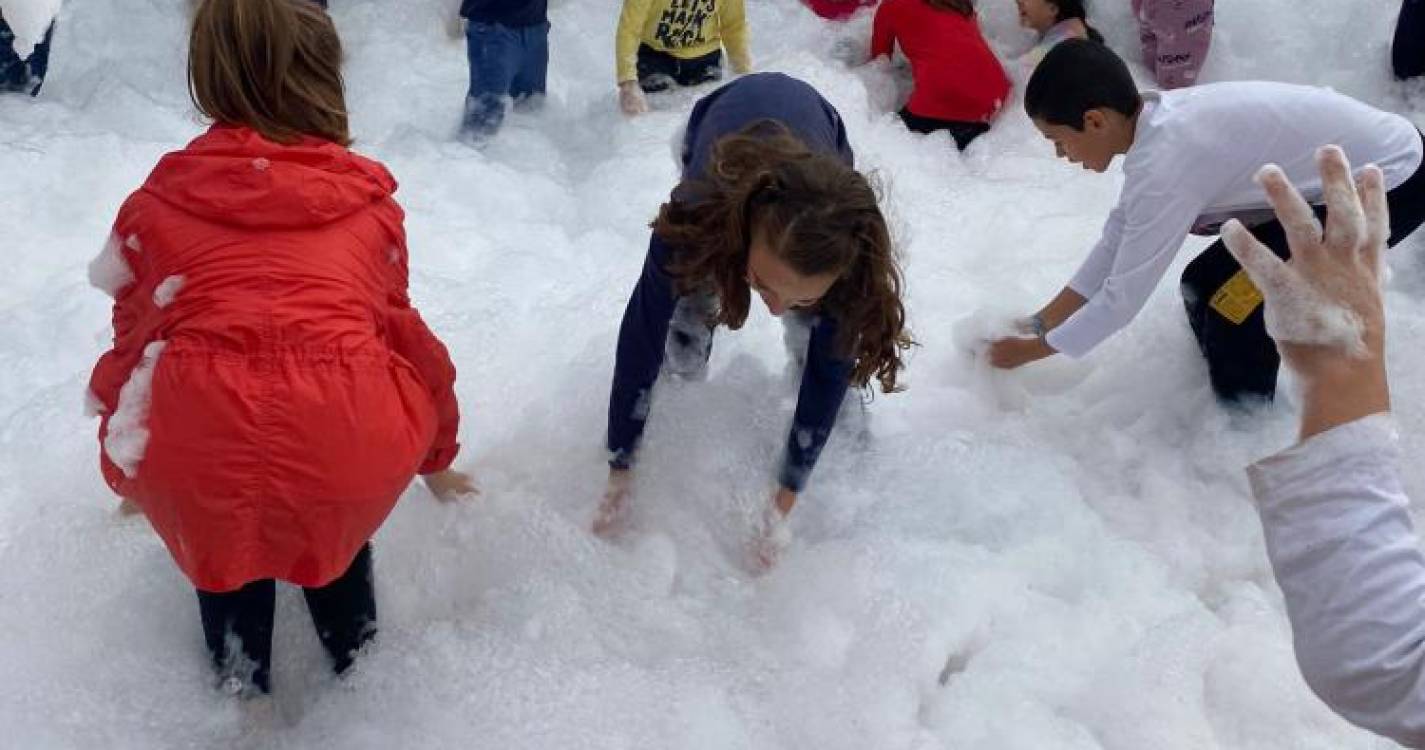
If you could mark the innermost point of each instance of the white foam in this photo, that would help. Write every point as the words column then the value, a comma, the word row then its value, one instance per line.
column 167, row 290
column 128, row 428
column 109, row 272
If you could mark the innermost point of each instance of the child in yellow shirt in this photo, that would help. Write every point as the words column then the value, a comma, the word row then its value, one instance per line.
column 662, row 43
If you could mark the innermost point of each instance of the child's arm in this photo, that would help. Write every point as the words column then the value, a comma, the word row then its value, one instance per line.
column 1064, row 305
column 1153, row 229
column 825, row 379
column 119, row 271
column 732, row 22
column 883, row 38
column 1140, row 239
column 412, row 339
column 641, row 340
column 114, row 272
column 628, row 37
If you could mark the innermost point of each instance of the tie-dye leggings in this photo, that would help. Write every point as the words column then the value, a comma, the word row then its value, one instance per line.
column 1176, row 36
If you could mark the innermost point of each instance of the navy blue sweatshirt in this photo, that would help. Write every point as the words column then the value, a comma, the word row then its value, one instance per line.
column 512, row 13
column 645, row 321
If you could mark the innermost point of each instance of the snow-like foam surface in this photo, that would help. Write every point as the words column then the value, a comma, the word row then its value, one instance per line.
column 1064, row 557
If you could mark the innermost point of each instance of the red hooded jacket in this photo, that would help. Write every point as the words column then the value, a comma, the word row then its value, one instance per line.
column 270, row 392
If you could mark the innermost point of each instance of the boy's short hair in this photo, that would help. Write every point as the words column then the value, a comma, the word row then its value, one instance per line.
column 1076, row 76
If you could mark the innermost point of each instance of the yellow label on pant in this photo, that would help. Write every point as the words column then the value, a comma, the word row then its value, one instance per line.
column 1237, row 299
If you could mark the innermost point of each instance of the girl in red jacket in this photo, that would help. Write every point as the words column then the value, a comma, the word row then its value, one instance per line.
column 959, row 83
column 271, row 391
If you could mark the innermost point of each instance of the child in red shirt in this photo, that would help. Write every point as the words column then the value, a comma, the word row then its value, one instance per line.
column 959, row 83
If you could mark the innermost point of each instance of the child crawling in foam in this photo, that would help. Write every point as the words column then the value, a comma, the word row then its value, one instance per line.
column 1190, row 157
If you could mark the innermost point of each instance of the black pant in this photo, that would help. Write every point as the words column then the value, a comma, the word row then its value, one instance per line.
column 1228, row 318
column 962, row 132
column 1408, row 52
column 658, row 71
column 238, row 624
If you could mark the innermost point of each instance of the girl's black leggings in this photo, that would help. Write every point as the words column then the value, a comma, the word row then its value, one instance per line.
column 238, row 624
column 1408, row 52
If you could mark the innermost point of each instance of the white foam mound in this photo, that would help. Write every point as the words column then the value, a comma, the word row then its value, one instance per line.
column 128, row 428
column 167, row 290
column 109, row 272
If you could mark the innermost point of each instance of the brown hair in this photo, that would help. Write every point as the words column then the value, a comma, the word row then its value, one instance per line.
column 820, row 217
column 272, row 65
column 963, row 7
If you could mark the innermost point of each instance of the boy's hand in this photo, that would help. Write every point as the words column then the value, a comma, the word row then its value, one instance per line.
column 630, row 98
column 1323, row 307
column 1013, row 352
column 612, row 514
column 450, row 485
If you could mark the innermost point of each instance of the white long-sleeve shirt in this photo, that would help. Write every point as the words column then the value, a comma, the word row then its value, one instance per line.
column 1194, row 155
column 1350, row 566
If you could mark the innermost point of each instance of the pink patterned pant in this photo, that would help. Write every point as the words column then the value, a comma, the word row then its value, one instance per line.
column 1176, row 36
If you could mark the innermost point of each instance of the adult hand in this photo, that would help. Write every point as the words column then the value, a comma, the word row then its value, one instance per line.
column 450, row 485
column 1323, row 307
column 631, row 99
column 1013, row 352
column 612, row 515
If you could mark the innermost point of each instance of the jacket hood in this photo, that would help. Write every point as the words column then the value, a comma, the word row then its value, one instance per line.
column 232, row 175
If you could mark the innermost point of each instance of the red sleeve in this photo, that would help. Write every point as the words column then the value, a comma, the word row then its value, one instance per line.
column 132, row 324
column 409, row 336
column 120, row 272
column 883, row 37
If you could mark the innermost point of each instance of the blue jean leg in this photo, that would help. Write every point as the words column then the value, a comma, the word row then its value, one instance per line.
column 13, row 73
column 24, row 76
column 494, row 53
column 533, row 73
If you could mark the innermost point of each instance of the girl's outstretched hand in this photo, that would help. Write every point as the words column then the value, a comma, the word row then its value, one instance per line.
column 613, row 509
column 774, row 535
column 450, row 485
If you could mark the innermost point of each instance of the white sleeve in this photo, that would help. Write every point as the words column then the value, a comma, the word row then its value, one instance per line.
column 1151, row 230
column 1349, row 564
column 1091, row 275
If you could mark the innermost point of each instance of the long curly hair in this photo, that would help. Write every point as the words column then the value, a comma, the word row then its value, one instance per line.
column 818, row 215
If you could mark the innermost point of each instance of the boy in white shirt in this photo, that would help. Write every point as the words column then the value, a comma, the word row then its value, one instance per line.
column 1190, row 157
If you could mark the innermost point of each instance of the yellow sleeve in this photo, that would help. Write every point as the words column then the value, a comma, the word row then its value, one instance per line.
column 630, row 34
column 732, row 25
